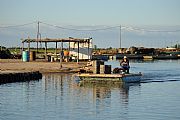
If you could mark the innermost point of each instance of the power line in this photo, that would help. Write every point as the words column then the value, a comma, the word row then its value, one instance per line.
column 11, row 26
column 73, row 29
column 122, row 27
column 129, row 28
column 148, row 30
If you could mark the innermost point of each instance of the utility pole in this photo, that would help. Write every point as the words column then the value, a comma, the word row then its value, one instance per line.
column 120, row 36
column 37, row 36
column 177, row 44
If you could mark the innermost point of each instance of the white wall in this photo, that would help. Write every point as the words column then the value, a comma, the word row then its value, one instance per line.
column 83, row 50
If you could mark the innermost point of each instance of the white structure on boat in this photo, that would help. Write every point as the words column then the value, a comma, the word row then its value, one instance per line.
column 83, row 49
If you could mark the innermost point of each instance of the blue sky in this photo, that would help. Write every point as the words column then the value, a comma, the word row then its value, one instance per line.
column 89, row 12
column 139, row 13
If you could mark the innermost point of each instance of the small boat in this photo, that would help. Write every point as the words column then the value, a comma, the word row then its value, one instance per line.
column 128, row 78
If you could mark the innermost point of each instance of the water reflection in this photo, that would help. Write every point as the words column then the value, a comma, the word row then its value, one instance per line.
column 100, row 98
column 101, row 93
column 54, row 86
column 103, row 90
column 58, row 96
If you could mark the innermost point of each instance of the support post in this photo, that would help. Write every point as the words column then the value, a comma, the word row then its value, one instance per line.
column 88, row 49
column 28, row 45
column 56, row 49
column 22, row 49
column 61, row 54
column 45, row 50
column 78, row 54
column 69, row 46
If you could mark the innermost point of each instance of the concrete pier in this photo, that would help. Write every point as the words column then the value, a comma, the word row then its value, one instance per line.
column 18, row 76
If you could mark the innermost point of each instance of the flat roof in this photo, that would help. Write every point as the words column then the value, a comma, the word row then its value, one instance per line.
column 84, row 40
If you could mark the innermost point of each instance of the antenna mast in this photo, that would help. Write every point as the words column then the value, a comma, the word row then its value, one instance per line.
column 120, row 36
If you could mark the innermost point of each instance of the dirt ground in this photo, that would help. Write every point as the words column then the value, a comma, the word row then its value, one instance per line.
column 39, row 65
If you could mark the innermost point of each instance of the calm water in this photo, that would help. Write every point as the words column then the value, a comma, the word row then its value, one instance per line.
column 59, row 97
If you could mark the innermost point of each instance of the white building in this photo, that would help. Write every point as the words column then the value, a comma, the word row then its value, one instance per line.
column 85, row 49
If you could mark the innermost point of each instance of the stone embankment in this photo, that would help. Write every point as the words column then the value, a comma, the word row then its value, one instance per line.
column 18, row 76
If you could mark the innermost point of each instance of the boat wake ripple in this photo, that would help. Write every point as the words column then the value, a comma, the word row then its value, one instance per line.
column 160, row 78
